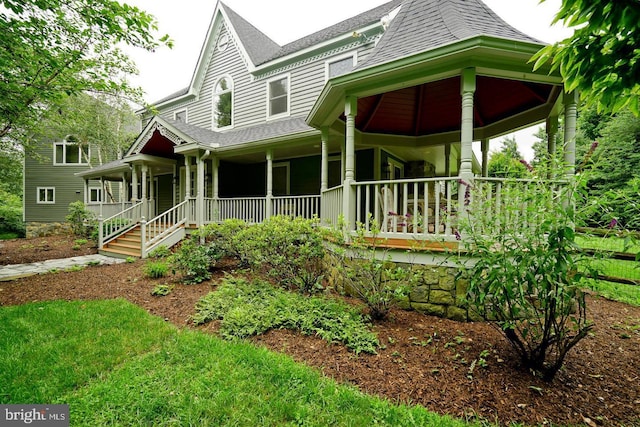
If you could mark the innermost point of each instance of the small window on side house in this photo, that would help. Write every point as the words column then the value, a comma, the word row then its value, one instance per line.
column 95, row 195
column 223, row 103
column 278, row 97
column 340, row 66
column 180, row 116
column 70, row 152
column 46, row 195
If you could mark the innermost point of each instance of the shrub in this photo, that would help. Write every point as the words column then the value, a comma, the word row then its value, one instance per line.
column 156, row 269
column 251, row 308
column 368, row 274
column 526, row 278
column 194, row 260
column 11, row 214
column 161, row 290
column 224, row 234
column 160, row 252
column 82, row 221
column 289, row 249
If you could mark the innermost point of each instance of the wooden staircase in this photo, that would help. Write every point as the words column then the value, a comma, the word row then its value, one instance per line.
column 128, row 244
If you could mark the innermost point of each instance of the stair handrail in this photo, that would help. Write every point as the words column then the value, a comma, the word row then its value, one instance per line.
column 163, row 225
column 115, row 225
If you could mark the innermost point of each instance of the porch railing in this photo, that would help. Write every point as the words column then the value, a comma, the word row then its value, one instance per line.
column 249, row 209
column 163, row 225
column 331, row 206
column 297, row 206
column 117, row 224
column 107, row 209
column 425, row 207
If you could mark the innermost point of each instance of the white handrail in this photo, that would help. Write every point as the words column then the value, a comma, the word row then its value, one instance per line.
column 163, row 225
column 115, row 225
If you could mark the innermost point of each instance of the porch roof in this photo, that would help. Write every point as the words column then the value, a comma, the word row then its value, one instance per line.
column 110, row 171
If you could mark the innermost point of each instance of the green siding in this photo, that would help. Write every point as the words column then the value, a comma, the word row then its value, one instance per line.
column 42, row 173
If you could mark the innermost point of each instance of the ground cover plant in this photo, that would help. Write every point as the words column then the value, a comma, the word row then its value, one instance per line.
column 422, row 359
column 119, row 366
column 251, row 308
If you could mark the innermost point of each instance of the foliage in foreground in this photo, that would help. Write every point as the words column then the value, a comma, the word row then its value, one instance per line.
column 121, row 366
column 194, row 260
column 251, row 308
column 525, row 275
column 82, row 221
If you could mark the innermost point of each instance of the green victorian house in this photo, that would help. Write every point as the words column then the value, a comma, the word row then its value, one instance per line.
column 371, row 119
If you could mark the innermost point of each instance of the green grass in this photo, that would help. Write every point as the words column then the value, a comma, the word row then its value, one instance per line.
column 7, row 235
column 616, row 244
column 616, row 291
column 116, row 365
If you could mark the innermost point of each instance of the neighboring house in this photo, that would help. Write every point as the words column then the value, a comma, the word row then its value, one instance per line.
column 374, row 115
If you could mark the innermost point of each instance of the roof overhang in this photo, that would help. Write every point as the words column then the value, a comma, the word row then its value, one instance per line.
column 156, row 126
column 490, row 56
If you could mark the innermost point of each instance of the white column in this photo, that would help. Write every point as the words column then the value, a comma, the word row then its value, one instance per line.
column 570, row 119
column 485, row 157
column 174, row 185
column 349, row 209
column 215, row 164
column 102, row 195
column 324, row 167
column 552, row 132
column 467, row 90
column 123, row 190
column 134, row 184
column 200, row 190
column 447, row 160
column 143, row 181
column 187, row 176
column 269, row 201
column 152, row 195
column 86, row 191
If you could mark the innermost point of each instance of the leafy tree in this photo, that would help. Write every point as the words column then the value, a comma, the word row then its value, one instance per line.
column 601, row 59
column 50, row 49
column 506, row 162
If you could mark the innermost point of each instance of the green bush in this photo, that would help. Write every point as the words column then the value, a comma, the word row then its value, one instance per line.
column 83, row 222
column 251, row 308
column 161, row 290
column 224, row 234
column 526, row 273
column 160, row 252
column 290, row 250
column 156, row 269
column 194, row 260
column 11, row 214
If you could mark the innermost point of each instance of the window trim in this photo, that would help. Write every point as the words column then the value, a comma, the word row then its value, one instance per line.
column 99, row 193
column 46, row 202
column 328, row 62
column 186, row 114
column 65, row 143
column 214, row 104
column 268, row 85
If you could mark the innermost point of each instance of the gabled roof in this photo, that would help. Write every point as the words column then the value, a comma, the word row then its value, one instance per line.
column 423, row 25
column 259, row 46
column 347, row 26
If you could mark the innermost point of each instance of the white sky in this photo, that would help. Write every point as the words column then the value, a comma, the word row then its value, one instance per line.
column 168, row 70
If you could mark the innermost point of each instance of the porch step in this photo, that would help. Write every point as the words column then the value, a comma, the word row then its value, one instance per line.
column 129, row 244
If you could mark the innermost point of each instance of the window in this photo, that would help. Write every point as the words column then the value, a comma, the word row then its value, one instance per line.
column 70, row 152
column 95, row 195
column 281, row 182
column 180, row 116
column 46, row 195
column 223, row 42
column 340, row 66
column 223, row 103
column 278, row 97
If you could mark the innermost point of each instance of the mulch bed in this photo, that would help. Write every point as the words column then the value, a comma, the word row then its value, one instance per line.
column 426, row 360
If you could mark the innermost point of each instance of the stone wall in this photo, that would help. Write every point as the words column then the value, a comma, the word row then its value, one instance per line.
column 435, row 290
column 41, row 229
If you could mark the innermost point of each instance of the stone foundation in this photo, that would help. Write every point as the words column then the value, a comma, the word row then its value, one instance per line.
column 42, row 229
column 436, row 291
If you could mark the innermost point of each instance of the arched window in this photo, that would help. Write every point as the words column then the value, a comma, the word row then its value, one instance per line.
column 223, row 103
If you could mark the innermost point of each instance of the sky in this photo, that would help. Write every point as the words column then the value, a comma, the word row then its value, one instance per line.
column 168, row 70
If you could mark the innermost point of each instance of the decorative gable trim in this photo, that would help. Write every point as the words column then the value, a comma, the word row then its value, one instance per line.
column 172, row 134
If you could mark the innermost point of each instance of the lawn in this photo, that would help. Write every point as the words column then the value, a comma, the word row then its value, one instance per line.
column 114, row 364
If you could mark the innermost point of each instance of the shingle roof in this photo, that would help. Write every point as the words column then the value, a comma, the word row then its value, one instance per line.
column 344, row 27
column 264, row 131
column 176, row 94
column 423, row 25
column 259, row 47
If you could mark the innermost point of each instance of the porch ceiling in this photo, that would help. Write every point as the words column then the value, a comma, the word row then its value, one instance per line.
column 435, row 107
column 159, row 146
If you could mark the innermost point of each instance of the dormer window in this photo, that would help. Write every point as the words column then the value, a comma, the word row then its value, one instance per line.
column 278, row 97
column 180, row 116
column 339, row 66
column 70, row 152
column 223, row 103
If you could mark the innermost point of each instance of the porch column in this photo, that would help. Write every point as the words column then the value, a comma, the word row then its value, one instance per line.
column 200, row 190
column 348, row 207
column 324, row 167
column 145, row 205
column 215, row 164
column 570, row 118
column 102, row 194
column 187, row 175
column 552, row 132
column 134, row 184
column 123, row 191
column 152, row 195
column 269, row 199
column 468, row 88
column 174, row 184
column 485, row 157
column 86, row 191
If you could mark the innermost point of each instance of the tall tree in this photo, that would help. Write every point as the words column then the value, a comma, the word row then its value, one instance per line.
column 601, row 59
column 506, row 163
column 50, row 49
